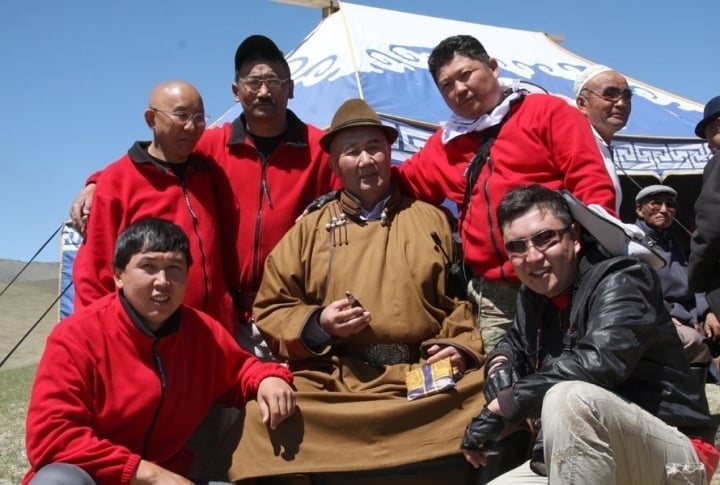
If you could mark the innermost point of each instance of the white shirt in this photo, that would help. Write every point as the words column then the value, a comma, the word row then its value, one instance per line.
column 606, row 151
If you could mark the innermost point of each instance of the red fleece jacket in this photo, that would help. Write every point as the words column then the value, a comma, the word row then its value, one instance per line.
column 107, row 392
column 544, row 141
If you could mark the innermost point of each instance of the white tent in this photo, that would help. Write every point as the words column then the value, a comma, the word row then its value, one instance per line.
column 381, row 55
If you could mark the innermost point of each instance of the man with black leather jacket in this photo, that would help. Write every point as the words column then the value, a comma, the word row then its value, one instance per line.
column 594, row 354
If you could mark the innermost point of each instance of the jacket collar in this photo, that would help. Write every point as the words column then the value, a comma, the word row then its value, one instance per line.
column 353, row 209
column 139, row 155
column 169, row 327
column 652, row 234
column 295, row 134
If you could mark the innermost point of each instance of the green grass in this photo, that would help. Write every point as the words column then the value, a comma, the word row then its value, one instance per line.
column 14, row 393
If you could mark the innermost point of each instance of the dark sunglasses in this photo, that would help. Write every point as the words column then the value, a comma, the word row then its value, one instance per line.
column 613, row 93
column 540, row 241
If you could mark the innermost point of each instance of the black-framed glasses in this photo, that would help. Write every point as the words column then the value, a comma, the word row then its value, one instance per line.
column 253, row 84
column 656, row 205
column 613, row 94
column 541, row 241
column 183, row 116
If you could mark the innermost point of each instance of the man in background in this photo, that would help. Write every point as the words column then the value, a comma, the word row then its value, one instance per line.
column 656, row 208
column 604, row 97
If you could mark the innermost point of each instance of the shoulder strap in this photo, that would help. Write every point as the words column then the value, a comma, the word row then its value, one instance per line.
column 476, row 164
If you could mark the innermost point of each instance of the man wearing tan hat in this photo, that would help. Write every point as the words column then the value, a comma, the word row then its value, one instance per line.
column 604, row 97
column 354, row 297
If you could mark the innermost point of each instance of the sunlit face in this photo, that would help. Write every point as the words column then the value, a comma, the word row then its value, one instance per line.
column 175, row 136
column 712, row 135
column 360, row 157
column 154, row 284
column 608, row 116
column 264, row 102
column 553, row 269
column 470, row 87
column 658, row 211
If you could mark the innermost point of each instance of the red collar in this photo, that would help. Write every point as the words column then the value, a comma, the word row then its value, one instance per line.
column 562, row 301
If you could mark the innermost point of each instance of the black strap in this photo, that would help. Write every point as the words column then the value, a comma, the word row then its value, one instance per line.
column 476, row 164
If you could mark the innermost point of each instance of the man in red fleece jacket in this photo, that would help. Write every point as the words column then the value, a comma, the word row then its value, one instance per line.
column 274, row 165
column 541, row 139
column 124, row 382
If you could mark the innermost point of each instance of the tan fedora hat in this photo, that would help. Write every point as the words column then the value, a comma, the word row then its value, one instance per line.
column 352, row 113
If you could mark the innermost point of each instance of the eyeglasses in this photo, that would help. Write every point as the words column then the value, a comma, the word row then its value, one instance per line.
column 541, row 241
column 656, row 205
column 613, row 94
column 183, row 116
column 253, row 84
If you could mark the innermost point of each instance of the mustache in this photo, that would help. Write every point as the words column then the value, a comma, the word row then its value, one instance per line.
column 264, row 101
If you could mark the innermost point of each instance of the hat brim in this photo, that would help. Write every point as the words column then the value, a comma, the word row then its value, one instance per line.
column 610, row 233
column 326, row 140
column 700, row 128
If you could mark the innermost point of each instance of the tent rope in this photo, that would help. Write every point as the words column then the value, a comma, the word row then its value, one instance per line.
column 32, row 259
column 34, row 325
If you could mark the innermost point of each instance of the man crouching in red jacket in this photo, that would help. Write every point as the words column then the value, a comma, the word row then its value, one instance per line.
column 123, row 383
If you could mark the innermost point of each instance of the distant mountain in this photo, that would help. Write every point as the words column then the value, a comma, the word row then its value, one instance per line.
column 34, row 272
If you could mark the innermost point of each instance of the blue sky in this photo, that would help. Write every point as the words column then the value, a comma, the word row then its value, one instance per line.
column 75, row 74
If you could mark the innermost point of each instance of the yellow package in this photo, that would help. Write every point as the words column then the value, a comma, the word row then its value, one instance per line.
column 430, row 379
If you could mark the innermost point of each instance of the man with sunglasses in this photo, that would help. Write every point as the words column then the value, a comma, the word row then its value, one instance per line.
column 656, row 207
column 604, row 97
column 160, row 178
column 592, row 351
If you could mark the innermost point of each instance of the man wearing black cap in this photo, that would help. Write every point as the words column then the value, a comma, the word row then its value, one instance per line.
column 656, row 207
column 275, row 167
column 350, row 353
column 704, row 261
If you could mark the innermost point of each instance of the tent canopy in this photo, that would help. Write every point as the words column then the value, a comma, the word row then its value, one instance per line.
column 381, row 56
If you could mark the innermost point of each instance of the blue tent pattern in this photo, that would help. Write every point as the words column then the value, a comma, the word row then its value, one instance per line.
column 381, row 56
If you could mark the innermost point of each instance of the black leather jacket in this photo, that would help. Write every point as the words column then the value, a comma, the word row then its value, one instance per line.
column 616, row 334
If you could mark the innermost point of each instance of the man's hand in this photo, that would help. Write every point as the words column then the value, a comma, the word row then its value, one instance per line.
column 500, row 376
column 80, row 208
column 439, row 352
column 341, row 319
column 276, row 400
column 484, row 427
column 712, row 327
column 151, row 474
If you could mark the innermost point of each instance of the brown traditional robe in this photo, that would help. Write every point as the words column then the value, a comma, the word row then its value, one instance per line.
column 353, row 415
